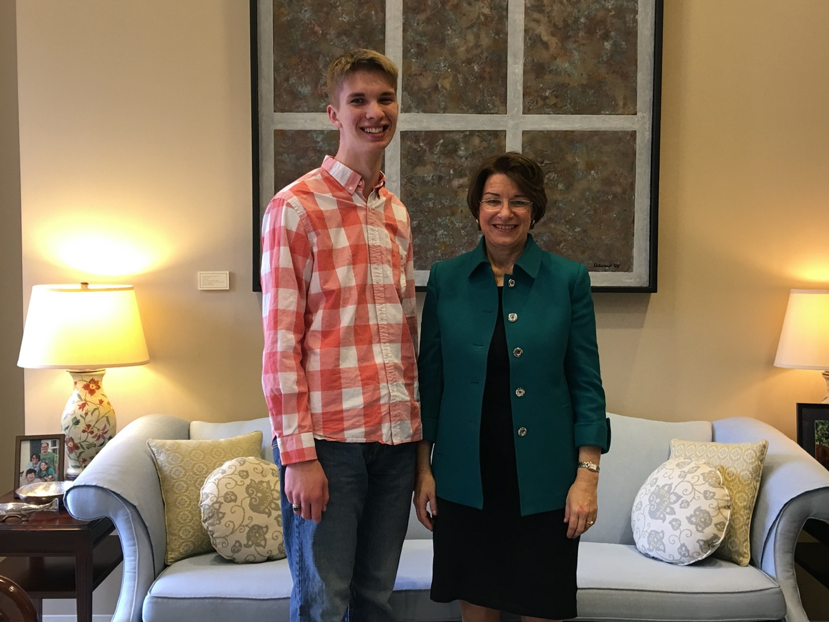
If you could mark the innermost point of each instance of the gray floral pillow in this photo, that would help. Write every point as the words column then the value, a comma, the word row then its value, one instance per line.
column 681, row 512
column 240, row 510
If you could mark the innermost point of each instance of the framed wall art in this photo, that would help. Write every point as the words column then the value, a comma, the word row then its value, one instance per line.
column 38, row 459
column 813, row 431
column 574, row 85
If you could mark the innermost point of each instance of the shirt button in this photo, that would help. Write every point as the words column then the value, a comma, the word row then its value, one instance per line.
column 512, row 317
column 517, row 353
column 519, row 392
column 511, row 282
column 522, row 431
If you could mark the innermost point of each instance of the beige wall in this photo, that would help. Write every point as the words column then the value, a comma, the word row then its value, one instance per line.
column 135, row 165
column 11, row 312
column 135, row 157
column 744, row 199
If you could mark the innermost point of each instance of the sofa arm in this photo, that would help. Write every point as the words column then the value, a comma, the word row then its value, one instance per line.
column 795, row 488
column 121, row 484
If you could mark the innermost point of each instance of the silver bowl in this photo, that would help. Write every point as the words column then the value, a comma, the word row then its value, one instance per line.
column 43, row 492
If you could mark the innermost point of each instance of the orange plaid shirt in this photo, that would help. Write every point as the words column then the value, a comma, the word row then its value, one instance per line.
column 339, row 314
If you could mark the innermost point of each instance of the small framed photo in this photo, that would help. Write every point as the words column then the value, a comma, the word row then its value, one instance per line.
column 38, row 459
column 813, row 431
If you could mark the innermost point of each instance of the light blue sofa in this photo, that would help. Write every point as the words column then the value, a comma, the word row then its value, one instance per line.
column 616, row 582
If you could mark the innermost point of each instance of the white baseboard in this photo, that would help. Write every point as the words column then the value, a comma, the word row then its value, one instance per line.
column 73, row 618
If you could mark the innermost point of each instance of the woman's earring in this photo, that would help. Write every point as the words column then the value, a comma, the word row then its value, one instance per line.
column 532, row 223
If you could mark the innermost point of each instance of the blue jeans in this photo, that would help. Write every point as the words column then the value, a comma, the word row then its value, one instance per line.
column 347, row 563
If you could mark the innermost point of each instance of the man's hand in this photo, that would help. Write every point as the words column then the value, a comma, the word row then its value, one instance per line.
column 307, row 487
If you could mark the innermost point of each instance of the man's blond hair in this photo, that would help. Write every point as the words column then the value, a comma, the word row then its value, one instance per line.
column 357, row 60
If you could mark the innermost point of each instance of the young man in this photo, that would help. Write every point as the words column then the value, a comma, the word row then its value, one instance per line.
column 339, row 365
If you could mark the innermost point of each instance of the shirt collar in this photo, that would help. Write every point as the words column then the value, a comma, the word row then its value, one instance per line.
column 347, row 178
column 529, row 261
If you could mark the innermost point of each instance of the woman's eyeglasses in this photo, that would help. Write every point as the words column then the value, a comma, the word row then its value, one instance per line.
column 516, row 205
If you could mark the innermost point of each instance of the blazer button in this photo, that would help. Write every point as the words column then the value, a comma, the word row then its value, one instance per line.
column 522, row 431
column 512, row 317
column 511, row 283
column 517, row 353
column 519, row 392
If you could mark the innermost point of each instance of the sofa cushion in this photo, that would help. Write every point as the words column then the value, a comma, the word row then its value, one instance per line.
column 741, row 465
column 240, row 510
column 182, row 467
column 639, row 446
column 209, row 588
column 410, row 599
column 681, row 512
column 616, row 582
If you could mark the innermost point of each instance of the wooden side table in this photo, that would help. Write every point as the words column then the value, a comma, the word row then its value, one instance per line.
column 53, row 555
column 813, row 557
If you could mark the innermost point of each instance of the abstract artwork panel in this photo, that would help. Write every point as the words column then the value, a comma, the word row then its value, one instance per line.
column 455, row 56
column 574, row 84
column 580, row 56
column 308, row 35
column 591, row 183
column 298, row 151
column 438, row 165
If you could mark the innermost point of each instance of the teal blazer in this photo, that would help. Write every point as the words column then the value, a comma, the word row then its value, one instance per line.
column 558, row 402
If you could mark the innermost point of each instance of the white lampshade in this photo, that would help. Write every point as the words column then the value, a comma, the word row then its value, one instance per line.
column 83, row 327
column 804, row 340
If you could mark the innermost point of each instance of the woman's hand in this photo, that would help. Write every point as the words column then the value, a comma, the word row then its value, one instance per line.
column 581, row 507
column 424, row 493
column 424, row 497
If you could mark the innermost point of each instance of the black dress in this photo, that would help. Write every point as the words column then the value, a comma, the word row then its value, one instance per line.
column 494, row 557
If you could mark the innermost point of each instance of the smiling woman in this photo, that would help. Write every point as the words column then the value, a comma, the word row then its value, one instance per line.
column 524, row 352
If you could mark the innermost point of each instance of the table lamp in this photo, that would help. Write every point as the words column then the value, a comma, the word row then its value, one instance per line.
column 804, row 340
column 84, row 329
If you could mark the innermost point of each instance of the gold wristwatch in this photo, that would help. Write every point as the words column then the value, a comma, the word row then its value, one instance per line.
column 590, row 466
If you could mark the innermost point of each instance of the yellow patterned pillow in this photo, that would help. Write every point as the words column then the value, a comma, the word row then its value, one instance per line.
column 182, row 468
column 741, row 466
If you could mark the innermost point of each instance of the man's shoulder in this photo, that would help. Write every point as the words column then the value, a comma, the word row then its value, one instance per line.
column 311, row 183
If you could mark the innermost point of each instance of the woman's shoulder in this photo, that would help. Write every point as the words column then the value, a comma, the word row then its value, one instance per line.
column 455, row 265
column 551, row 261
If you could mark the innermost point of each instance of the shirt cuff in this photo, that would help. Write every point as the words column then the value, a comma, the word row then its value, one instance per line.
column 297, row 448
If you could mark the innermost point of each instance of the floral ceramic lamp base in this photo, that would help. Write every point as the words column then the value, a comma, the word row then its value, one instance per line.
column 88, row 420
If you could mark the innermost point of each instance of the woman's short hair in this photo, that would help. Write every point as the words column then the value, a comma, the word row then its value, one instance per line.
column 357, row 60
column 526, row 174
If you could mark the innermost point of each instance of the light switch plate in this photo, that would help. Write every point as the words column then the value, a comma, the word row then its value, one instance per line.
column 214, row 280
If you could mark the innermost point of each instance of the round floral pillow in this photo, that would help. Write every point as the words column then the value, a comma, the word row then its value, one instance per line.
column 681, row 512
column 240, row 510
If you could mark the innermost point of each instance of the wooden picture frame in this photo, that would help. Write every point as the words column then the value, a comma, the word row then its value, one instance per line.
column 26, row 448
column 589, row 114
column 813, row 431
